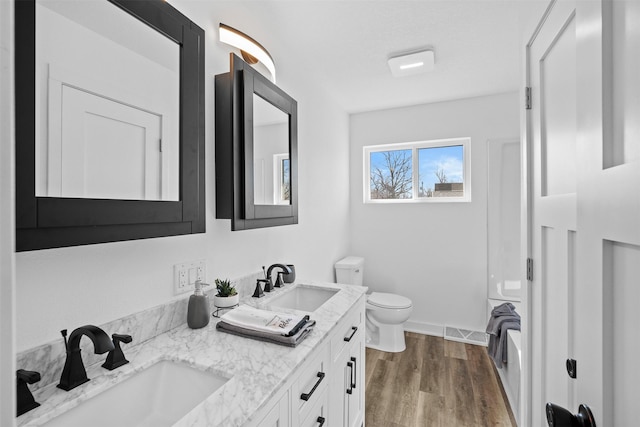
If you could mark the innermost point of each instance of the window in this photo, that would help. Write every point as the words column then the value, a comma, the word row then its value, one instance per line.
column 282, row 176
column 425, row 171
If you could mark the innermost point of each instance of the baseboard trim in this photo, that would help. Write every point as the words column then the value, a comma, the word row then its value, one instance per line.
column 424, row 328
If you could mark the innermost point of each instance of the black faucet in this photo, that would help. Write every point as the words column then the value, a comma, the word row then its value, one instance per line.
column 74, row 373
column 116, row 358
column 279, row 282
column 25, row 400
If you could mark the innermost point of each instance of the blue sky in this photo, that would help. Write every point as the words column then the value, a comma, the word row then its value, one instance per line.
column 448, row 159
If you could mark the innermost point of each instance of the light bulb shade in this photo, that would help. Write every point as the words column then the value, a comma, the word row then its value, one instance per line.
column 246, row 44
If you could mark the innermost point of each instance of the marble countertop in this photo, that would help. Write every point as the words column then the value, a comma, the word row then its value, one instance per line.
column 256, row 370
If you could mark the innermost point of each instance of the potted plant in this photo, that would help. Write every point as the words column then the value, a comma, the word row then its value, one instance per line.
column 227, row 295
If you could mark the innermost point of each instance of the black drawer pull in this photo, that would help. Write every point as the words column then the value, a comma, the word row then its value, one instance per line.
column 321, row 421
column 350, row 389
column 354, row 371
column 307, row 396
column 354, row 330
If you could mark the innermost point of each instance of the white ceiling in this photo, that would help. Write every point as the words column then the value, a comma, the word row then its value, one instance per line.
column 344, row 45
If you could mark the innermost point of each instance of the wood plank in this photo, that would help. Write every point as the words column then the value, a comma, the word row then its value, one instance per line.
column 455, row 349
column 371, row 359
column 433, row 376
column 378, row 394
column 431, row 410
column 459, row 399
column 491, row 407
column 433, row 347
column 404, row 403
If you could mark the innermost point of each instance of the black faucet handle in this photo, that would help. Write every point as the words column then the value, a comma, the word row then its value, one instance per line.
column 258, row 292
column 121, row 338
column 24, row 399
column 29, row 377
column 279, row 280
column 116, row 358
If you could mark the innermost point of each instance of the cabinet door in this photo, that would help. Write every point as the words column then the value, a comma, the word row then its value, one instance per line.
column 340, row 383
column 354, row 407
column 278, row 416
column 318, row 415
column 347, row 385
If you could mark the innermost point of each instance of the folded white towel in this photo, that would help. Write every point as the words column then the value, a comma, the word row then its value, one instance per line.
column 249, row 317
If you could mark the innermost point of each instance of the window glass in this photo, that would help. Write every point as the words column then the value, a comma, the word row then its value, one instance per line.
column 391, row 174
column 441, row 171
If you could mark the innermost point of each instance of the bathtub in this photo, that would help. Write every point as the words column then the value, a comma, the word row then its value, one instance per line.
column 510, row 372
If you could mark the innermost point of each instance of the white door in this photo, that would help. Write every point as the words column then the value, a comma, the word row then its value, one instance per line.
column 584, row 131
column 108, row 150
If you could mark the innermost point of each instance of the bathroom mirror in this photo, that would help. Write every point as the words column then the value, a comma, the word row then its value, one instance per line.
column 109, row 122
column 107, row 109
column 271, row 169
column 256, row 150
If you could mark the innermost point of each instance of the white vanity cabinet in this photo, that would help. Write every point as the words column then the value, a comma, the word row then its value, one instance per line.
column 328, row 389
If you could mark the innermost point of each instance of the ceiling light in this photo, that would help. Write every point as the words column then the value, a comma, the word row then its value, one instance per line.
column 412, row 63
column 252, row 51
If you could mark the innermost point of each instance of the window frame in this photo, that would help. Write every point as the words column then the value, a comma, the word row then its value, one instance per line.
column 414, row 146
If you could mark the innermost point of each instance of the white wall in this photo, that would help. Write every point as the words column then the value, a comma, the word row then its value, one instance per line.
column 434, row 254
column 7, row 222
column 66, row 288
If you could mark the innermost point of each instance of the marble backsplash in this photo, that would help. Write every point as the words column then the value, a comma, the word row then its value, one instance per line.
column 48, row 359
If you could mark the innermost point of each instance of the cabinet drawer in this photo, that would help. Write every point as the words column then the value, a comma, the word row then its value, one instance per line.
column 347, row 330
column 311, row 383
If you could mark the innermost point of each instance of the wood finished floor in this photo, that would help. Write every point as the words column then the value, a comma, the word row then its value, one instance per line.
column 434, row 383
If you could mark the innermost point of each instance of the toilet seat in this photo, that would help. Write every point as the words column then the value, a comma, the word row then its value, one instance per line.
column 391, row 301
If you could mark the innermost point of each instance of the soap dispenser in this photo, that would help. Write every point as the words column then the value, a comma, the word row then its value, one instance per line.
column 198, row 311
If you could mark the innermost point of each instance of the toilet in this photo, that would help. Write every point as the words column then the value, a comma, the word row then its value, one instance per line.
column 385, row 313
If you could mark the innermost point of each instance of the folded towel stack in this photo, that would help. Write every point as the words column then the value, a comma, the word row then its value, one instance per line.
column 503, row 318
column 263, row 325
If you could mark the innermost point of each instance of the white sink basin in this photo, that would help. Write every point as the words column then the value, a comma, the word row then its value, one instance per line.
column 303, row 298
column 157, row 396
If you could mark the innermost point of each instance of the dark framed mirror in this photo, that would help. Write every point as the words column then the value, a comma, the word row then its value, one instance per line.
column 256, row 150
column 109, row 122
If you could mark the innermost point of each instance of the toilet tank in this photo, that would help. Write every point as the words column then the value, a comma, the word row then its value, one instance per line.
column 349, row 270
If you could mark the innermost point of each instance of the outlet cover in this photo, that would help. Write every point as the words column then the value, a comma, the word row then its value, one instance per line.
column 185, row 275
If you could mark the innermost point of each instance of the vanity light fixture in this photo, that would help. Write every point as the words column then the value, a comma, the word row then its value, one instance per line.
column 252, row 51
column 412, row 63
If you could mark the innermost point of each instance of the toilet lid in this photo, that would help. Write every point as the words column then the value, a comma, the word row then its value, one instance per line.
column 384, row 300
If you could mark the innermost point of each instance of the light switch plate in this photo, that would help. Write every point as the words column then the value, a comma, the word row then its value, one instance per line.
column 185, row 275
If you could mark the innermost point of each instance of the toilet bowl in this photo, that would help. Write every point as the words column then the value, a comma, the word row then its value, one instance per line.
column 386, row 313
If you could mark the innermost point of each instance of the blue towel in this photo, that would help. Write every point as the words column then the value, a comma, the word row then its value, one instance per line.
column 503, row 318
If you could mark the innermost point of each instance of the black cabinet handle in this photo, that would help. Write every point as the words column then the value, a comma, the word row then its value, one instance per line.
column 320, row 421
column 354, row 372
column 307, row 396
column 354, row 329
column 350, row 389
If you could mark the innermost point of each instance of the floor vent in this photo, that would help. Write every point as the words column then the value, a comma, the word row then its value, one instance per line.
column 465, row 335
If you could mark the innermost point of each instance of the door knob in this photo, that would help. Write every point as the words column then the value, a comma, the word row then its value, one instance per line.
column 557, row 416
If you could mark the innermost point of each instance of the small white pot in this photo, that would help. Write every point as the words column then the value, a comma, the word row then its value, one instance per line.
column 222, row 302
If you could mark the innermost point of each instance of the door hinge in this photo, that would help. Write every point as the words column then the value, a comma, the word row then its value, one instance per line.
column 160, row 144
column 529, row 269
column 527, row 98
